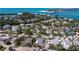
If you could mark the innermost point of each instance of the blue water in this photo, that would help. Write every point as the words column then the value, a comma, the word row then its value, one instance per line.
column 69, row 14
column 66, row 14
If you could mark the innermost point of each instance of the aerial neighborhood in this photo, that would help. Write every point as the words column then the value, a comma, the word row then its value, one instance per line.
column 38, row 32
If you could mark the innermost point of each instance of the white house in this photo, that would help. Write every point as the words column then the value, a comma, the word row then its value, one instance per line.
column 66, row 43
column 14, row 28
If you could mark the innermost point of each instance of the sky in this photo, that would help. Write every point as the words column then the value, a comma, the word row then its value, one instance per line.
column 39, row 3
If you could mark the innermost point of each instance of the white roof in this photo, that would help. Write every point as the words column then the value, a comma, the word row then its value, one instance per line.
column 70, row 37
column 66, row 43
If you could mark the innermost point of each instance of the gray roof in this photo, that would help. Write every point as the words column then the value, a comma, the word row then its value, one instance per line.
column 2, row 38
column 55, row 41
column 76, row 42
column 39, row 41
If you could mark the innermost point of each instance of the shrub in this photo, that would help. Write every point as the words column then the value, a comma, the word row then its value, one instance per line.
column 42, row 31
column 2, row 48
column 33, row 40
column 7, row 42
column 29, row 32
column 18, row 41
